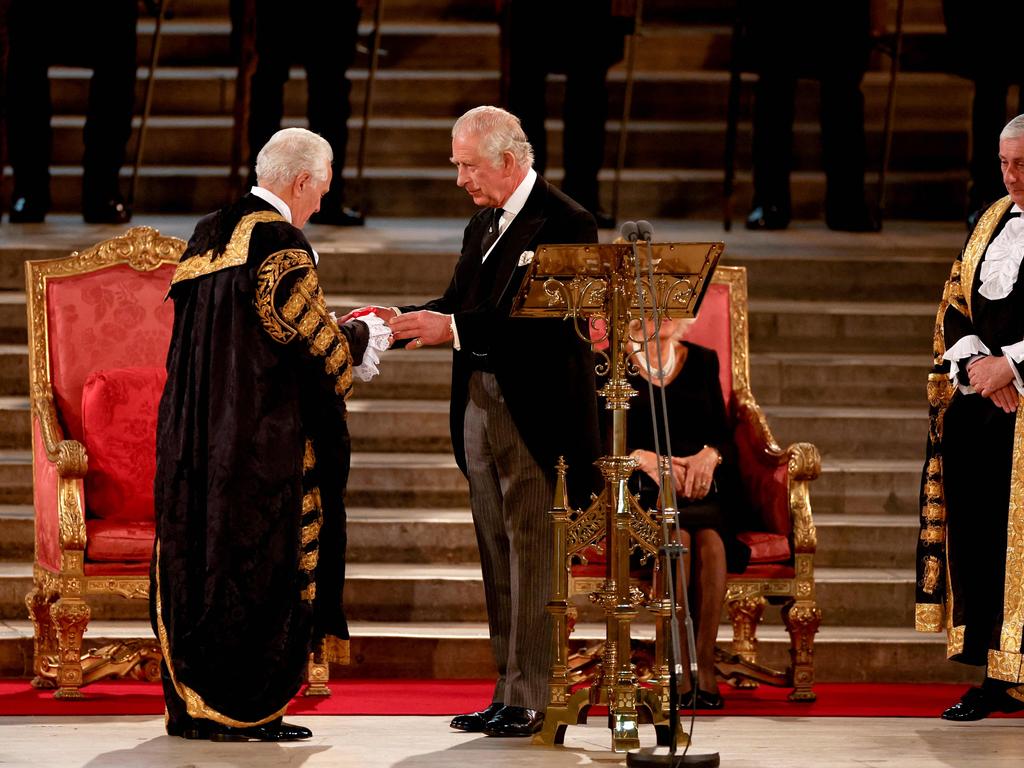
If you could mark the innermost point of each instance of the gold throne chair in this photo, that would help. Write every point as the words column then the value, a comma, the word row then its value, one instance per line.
column 98, row 335
column 776, row 480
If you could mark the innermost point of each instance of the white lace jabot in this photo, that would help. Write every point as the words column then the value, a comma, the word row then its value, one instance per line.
column 1002, row 261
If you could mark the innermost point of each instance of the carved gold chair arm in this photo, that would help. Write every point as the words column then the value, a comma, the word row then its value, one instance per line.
column 68, row 455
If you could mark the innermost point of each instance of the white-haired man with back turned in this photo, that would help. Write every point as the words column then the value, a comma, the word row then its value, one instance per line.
column 971, row 548
column 253, row 458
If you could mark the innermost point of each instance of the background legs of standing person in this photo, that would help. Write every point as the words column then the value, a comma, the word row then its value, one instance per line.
column 328, row 31
column 37, row 33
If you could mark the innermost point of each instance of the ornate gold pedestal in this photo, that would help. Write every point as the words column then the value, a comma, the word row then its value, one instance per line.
column 610, row 286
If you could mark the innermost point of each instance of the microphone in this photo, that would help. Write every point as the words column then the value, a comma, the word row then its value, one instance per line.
column 629, row 231
column 645, row 229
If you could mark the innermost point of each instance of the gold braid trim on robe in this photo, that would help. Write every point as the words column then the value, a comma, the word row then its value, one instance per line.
column 195, row 706
column 236, row 253
column 932, row 566
column 302, row 313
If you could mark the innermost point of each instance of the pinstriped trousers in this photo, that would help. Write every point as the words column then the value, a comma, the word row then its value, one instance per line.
column 511, row 495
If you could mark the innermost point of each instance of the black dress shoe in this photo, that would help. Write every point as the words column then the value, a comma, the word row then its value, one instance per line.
column 515, row 721
column 28, row 210
column 979, row 703
column 768, row 217
column 852, row 219
column 475, row 722
column 339, row 217
column 704, row 700
column 604, row 219
column 111, row 211
column 269, row 732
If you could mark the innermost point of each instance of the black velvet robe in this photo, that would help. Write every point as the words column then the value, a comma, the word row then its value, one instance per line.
column 252, row 461
column 971, row 548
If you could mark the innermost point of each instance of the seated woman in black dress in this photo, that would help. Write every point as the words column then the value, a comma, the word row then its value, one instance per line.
column 704, row 473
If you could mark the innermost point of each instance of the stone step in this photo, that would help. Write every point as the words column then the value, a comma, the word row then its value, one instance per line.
column 462, row 650
column 826, row 379
column 417, row 142
column 408, row 191
column 446, row 535
column 781, row 378
column 848, row 431
column 419, row 425
column 453, row 592
column 433, row 44
column 853, row 327
column 868, row 486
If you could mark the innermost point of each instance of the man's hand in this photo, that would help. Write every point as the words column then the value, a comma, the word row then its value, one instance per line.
column 422, row 327
column 989, row 374
column 384, row 313
column 1006, row 398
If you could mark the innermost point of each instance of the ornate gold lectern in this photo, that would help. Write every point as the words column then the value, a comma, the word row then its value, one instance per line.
column 603, row 288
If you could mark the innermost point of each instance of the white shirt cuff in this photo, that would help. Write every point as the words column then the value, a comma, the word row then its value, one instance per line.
column 968, row 346
column 379, row 340
column 1014, row 357
column 455, row 333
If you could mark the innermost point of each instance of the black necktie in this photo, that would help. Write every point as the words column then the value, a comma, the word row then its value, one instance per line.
column 491, row 233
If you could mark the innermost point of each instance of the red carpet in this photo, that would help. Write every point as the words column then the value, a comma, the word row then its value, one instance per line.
column 447, row 697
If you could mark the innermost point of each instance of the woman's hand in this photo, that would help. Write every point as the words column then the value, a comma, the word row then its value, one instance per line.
column 691, row 475
column 698, row 472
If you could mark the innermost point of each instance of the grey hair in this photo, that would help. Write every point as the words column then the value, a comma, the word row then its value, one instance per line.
column 499, row 132
column 1014, row 129
column 291, row 151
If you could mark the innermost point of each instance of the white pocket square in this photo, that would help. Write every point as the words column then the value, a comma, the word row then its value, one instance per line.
column 525, row 258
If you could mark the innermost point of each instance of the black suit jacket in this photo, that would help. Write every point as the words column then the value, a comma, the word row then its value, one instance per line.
column 546, row 373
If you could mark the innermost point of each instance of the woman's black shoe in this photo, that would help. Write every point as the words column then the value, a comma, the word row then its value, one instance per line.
column 705, row 700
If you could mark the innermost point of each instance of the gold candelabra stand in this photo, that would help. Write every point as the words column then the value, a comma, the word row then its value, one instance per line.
column 603, row 289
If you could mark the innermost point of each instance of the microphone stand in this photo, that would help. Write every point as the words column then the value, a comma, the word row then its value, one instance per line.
column 672, row 550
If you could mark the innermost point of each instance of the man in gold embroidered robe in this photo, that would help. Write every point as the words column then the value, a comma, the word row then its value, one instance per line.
column 253, row 458
column 970, row 554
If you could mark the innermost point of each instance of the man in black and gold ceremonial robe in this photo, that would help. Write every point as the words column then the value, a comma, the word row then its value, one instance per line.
column 253, row 458
column 523, row 394
column 971, row 549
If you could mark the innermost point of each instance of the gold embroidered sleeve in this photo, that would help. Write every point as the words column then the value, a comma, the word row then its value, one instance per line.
column 290, row 304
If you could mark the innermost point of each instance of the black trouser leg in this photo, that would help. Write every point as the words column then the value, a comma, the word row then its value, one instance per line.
column 988, row 116
column 108, row 122
column 28, row 101
column 842, row 142
column 774, row 97
column 585, row 114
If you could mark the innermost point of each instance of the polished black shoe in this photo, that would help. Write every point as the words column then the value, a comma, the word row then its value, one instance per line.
column 475, row 722
column 515, row 721
column 861, row 221
column 339, row 217
column 704, row 700
column 111, row 211
column 979, row 703
column 28, row 210
column 269, row 732
column 604, row 219
column 768, row 217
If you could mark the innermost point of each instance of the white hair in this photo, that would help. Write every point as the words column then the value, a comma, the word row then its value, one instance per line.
column 292, row 151
column 499, row 132
column 1014, row 129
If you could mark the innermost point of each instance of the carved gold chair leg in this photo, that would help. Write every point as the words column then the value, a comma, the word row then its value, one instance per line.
column 44, row 636
column 318, row 674
column 802, row 619
column 745, row 614
column 70, row 615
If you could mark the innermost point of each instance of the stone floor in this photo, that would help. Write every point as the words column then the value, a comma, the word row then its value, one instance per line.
column 426, row 742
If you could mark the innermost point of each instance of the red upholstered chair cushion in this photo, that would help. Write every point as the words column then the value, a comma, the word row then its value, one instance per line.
column 766, row 547
column 712, row 328
column 119, row 409
column 118, row 541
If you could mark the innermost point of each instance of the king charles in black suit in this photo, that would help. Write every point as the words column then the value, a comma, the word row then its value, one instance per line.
column 523, row 394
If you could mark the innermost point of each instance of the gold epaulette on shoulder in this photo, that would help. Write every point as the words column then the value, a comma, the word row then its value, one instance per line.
column 235, row 254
